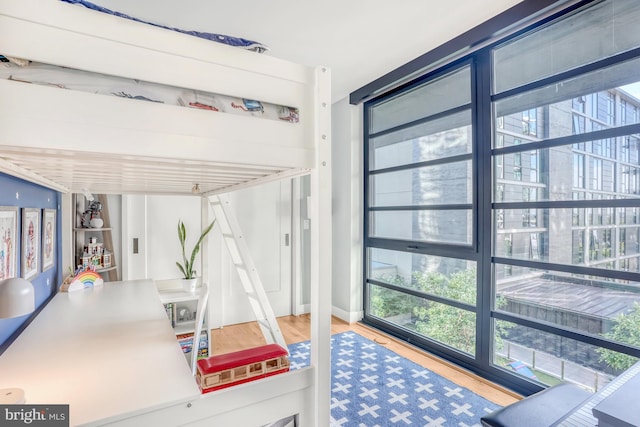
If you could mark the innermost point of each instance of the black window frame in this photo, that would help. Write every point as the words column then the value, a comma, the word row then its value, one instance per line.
column 483, row 208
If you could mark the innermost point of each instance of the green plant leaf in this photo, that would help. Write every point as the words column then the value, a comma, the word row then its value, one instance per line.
column 187, row 267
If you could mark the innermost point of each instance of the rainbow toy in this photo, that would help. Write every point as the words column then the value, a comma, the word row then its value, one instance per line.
column 84, row 279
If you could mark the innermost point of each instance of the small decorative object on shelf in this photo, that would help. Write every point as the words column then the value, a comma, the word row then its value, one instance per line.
column 94, row 254
column 82, row 278
column 92, row 217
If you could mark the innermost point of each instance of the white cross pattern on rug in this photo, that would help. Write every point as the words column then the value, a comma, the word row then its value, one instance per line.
column 343, row 375
column 375, row 387
column 372, row 393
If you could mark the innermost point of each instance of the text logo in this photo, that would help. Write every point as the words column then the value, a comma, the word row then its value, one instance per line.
column 34, row 415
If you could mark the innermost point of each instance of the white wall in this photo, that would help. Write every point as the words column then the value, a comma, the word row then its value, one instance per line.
column 154, row 221
column 347, row 211
column 134, row 214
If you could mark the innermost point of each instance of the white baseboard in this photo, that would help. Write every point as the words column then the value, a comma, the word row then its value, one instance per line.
column 347, row 316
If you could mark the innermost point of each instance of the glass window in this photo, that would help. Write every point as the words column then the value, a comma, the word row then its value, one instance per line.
column 435, row 139
column 446, row 324
column 445, row 93
column 441, row 276
column 590, row 235
column 578, row 170
column 423, row 186
column 552, row 359
column 445, row 226
column 557, row 100
column 580, row 39
column 562, row 175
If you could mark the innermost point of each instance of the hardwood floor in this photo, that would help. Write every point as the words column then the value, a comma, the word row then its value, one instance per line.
column 297, row 328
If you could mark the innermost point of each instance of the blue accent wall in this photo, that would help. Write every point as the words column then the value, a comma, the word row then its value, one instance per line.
column 23, row 194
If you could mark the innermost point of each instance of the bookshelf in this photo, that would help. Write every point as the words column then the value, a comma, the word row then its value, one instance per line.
column 181, row 308
column 94, row 245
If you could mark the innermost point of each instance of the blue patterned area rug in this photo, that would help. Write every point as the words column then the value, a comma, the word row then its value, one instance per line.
column 371, row 386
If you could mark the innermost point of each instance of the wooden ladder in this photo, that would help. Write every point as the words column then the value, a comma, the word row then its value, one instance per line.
column 244, row 265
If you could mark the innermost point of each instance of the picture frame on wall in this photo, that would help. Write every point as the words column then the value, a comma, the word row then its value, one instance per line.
column 48, row 238
column 30, row 242
column 8, row 246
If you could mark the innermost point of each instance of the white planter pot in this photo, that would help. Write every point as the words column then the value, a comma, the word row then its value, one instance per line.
column 189, row 285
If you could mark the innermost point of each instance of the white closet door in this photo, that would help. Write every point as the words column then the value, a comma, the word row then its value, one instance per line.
column 264, row 215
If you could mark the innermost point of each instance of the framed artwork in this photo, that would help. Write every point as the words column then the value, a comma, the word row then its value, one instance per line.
column 48, row 238
column 8, row 248
column 30, row 242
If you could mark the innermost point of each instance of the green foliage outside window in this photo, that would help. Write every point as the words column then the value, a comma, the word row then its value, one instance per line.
column 450, row 325
column 626, row 330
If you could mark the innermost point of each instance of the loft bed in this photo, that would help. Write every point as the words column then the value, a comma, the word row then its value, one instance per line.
column 129, row 146
column 74, row 140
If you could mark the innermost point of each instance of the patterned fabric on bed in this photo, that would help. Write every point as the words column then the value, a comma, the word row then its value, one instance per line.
column 220, row 38
column 66, row 78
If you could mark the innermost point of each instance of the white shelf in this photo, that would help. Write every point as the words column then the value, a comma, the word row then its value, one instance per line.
column 170, row 292
column 178, row 295
column 187, row 327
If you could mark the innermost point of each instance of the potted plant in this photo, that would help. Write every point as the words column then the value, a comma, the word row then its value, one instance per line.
column 186, row 268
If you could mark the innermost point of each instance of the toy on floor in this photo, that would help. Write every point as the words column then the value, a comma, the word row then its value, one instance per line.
column 226, row 370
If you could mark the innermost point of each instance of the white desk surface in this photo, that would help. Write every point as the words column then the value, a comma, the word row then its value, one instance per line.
column 106, row 352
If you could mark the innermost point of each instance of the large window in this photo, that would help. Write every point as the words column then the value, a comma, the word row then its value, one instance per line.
column 503, row 200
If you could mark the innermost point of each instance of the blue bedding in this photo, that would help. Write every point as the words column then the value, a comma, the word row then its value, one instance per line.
column 220, row 38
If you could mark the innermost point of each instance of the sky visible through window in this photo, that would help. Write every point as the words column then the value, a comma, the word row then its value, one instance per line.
column 633, row 89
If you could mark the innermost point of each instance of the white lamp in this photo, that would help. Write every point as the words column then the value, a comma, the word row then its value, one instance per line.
column 17, row 298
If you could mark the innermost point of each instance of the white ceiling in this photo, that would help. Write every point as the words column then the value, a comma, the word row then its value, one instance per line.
column 360, row 40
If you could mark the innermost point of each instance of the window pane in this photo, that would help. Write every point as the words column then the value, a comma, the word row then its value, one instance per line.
column 446, row 226
column 576, row 106
column 440, row 184
column 445, row 93
column 553, row 359
column 445, row 277
column 587, row 237
column 437, row 139
column 569, row 300
column 599, row 32
column 563, row 173
column 449, row 325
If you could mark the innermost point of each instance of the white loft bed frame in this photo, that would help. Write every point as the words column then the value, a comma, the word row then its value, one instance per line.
column 73, row 142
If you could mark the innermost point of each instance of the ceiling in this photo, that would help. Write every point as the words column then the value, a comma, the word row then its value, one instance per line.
column 359, row 40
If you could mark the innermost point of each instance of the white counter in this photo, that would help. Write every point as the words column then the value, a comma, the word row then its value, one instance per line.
column 106, row 352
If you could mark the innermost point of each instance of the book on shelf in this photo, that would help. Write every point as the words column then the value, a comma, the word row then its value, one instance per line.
column 170, row 308
column 186, row 343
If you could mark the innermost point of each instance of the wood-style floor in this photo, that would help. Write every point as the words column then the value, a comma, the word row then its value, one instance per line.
column 297, row 328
